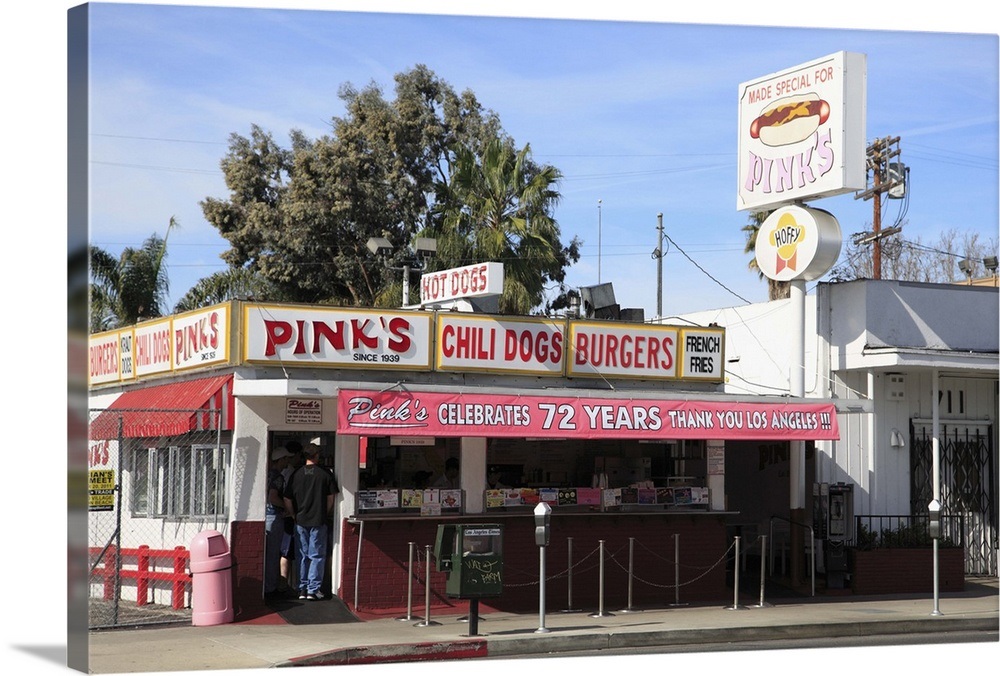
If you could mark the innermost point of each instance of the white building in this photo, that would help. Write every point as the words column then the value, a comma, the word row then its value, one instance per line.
column 881, row 349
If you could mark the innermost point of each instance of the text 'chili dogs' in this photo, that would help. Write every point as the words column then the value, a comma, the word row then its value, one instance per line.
column 790, row 120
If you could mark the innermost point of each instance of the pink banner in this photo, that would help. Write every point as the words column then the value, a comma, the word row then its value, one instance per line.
column 438, row 414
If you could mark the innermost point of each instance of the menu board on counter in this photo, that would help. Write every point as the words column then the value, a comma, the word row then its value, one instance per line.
column 643, row 496
column 430, row 501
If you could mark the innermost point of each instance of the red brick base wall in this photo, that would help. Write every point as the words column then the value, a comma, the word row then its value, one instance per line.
column 385, row 552
column 901, row 571
column 246, row 546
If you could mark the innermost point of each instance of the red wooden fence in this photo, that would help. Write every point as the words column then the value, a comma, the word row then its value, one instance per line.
column 140, row 564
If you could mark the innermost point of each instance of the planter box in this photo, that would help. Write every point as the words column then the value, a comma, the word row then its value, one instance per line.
column 904, row 571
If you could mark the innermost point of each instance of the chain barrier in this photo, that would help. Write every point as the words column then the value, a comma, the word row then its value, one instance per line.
column 665, row 559
column 556, row 576
column 706, row 571
column 419, row 567
column 613, row 556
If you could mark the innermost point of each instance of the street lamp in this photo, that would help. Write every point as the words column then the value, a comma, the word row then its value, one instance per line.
column 424, row 248
column 965, row 265
column 379, row 246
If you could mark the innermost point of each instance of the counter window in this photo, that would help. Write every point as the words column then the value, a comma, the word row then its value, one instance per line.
column 386, row 464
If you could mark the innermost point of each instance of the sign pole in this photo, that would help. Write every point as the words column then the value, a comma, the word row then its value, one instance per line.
column 541, row 591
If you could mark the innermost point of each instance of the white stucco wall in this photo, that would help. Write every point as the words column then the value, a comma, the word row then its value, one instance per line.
column 858, row 335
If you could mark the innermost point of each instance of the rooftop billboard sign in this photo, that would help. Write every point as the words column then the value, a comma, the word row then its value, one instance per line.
column 802, row 132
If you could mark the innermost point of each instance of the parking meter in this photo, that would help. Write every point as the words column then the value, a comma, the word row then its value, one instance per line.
column 543, row 515
column 542, row 523
column 934, row 509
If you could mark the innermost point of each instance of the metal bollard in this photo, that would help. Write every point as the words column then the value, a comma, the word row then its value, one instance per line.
column 736, row 579
column 409, row 586
column 600, row 586
column 427, row 592
column 677, row 571
column 763, row 548
column 569, row 578
column 631, row 558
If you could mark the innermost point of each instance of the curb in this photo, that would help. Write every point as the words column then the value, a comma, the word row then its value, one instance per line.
column 400, row 652
column 542, row 644
column 672, row 637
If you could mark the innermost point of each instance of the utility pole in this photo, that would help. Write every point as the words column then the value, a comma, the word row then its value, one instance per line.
column 658, row 255
column 598, row 241
column 880, row 152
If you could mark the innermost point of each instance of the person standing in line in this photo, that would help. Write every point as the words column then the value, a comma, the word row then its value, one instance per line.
column 274, row 521
column 450, row 478
column 288, row 572
column 309, row 496
column 493, row 479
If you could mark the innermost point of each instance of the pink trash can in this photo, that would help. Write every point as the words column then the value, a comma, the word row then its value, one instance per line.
column 211, row 580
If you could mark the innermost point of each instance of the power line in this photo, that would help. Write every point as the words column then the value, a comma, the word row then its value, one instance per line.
column 704, row 271
column 156, row 168
column 157, row 138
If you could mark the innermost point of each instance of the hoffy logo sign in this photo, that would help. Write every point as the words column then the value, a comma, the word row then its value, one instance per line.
column 785, row 238
column 797, row 243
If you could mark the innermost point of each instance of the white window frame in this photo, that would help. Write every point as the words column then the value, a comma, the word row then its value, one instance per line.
column 180, row 482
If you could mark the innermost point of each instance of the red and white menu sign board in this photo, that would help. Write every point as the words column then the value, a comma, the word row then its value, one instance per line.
column 468, row 342
column 471, row 414
column 342, row 337
column 470, row 281
column 152, row 348
column 623, row 350
column 189, row 340
column 109, row 357
column 201, row 337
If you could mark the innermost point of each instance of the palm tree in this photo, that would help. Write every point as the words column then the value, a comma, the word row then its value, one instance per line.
column 498, row 208
column 130, row 288
column 775, row 290
column 232, row 283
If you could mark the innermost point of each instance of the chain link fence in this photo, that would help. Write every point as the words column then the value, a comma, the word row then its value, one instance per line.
column 147, row 499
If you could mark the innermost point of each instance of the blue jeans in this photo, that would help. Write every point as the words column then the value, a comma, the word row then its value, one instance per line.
column 312, row 557
column 274, row 529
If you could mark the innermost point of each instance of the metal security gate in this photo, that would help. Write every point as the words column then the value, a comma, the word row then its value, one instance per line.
column 147, row 496
column 968, row 487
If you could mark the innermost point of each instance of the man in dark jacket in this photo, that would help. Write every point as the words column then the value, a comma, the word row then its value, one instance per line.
column 309, row 495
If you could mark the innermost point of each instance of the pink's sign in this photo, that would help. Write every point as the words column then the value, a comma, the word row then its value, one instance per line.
column 438, row 414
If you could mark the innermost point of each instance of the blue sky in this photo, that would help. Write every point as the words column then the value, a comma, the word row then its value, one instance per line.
column 640, row 117
column 610, row 104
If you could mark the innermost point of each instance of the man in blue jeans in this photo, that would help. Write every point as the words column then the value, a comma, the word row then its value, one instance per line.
column 309, row 494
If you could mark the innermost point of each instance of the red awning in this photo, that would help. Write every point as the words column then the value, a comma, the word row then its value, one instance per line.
column 168, row 410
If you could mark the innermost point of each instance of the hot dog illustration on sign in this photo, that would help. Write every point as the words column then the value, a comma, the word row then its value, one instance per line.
column 790, row 120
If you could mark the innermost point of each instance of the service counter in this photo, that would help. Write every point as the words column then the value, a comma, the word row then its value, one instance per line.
column 377, row 575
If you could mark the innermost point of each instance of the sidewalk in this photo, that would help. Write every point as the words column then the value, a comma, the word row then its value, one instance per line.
column 273, row 643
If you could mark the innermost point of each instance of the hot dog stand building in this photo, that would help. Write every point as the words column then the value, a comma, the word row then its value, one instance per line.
column 622, row 428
